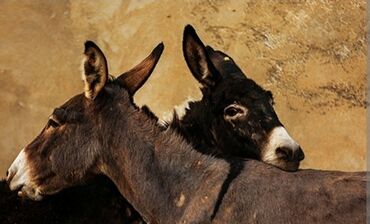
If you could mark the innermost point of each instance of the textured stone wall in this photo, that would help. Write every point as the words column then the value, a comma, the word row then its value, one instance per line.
column 310, row 54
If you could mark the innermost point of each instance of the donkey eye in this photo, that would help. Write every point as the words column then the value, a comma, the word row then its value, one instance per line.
column 53, row 123
column 234, row 111
column 231, row 111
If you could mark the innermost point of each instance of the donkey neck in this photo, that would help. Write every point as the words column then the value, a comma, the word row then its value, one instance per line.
column 197, row 128
column 160, row 174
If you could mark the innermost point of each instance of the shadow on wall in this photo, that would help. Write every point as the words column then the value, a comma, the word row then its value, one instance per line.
column 311, row 55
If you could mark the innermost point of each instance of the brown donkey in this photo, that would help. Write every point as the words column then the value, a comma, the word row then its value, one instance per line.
column 96, row 201
column 161, row 175
column 209, row 132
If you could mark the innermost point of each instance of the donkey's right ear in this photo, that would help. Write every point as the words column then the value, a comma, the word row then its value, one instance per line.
column 95, row 70
column 197, row 59
column 133, row 79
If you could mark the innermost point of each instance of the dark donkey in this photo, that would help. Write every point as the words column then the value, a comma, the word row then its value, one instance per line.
column 207, row 124
column 161, row 175
column 235, row 117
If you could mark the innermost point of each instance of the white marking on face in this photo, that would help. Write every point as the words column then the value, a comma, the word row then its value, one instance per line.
column 19, row 177
column 226, row 59
column 18, row 173
column 279, row 137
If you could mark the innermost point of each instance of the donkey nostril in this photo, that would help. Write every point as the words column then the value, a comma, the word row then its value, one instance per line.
column 300, row 154
column 7, row 173
column 284, row 153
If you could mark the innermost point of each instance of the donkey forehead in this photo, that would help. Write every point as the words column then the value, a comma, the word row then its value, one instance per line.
column 73, row 105
column 233, row 77
column 79, row 107
column 243, row 89
column 73, row 110
column 257, row 100
column 228, row 68
column 79, row 103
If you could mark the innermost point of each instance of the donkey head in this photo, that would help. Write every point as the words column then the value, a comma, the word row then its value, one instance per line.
column 68, row 150
column 239, row 113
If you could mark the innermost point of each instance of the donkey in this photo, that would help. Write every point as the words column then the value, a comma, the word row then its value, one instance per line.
column 198, row 119
column 96, row 201
column 161, row 175
column 235, row 116
column 40, row 211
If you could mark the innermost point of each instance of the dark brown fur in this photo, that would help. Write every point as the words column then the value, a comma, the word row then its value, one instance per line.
column 98, row 201
column 235, row 116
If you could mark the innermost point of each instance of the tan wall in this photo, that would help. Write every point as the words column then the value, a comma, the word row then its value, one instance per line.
column 311, row 54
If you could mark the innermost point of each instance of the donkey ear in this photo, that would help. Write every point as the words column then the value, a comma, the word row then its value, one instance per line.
column 137, row 76
column 224, row 64
column 95, row 70
column 197, row 59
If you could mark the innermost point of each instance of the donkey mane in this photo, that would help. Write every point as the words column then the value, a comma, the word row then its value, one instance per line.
column 149, row 144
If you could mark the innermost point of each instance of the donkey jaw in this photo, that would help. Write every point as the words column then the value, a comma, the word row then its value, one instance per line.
column 31, row 193
column 18, row 178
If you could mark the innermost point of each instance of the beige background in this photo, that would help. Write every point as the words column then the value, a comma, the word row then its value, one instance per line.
column 311, row 54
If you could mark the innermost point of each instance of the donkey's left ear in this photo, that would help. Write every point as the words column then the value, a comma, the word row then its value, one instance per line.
column 197, row 58
column 95, row 70
column 133, row 79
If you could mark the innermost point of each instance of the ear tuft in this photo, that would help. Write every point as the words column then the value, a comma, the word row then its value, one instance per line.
column 133, row 79
column 196, row 57
column 95, row 70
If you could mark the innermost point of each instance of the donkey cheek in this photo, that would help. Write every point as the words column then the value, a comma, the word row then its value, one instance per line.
column 256, row 137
